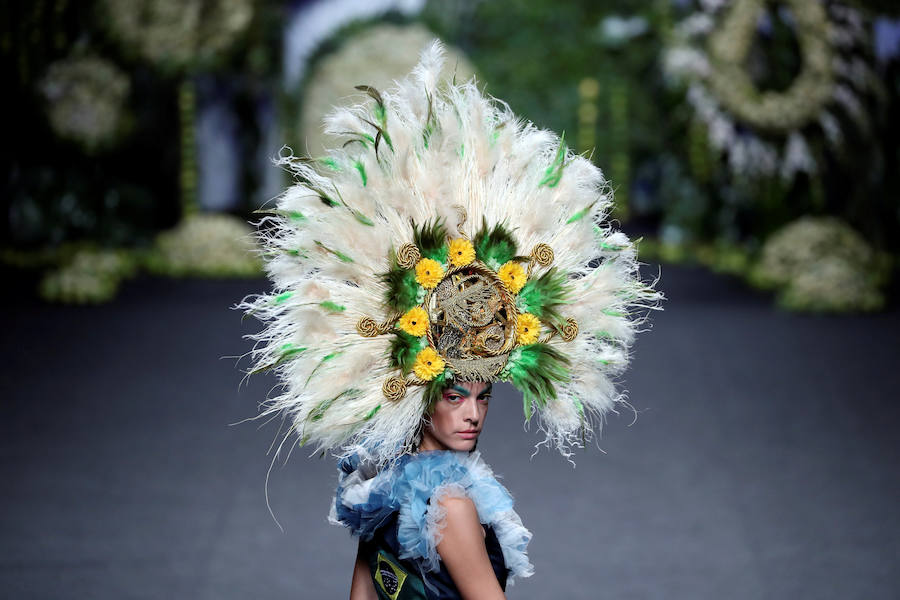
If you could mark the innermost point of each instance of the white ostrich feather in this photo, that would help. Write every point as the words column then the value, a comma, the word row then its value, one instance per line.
column 437, row 146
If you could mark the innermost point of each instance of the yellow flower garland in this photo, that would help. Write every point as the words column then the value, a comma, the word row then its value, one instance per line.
column 513, row 276
column 429, row 273
column 414, row 322
column 428, row 364
column 461, row 252
column 528, row 328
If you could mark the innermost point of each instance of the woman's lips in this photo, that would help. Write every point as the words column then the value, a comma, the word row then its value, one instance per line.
column 468, row 435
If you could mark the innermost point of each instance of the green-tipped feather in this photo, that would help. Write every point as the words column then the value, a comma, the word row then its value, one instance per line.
column 534, row 369
column 288, row 351
column 340, row 255
column 293, row 215
column 431, row 240
column 553, row 173
column 581, row 213
column 332, row 307
column 362, row 172
column 541, row 296
column 495, row 246
column 404, row 348
column 324, row 360
column 380, row 115
column 402, row 288
column 319, row 411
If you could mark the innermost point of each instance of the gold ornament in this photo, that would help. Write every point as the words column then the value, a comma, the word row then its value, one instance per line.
column 394, row 388
column 408, row 255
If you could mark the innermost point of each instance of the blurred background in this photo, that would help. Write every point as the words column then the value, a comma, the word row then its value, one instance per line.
column 753, row 145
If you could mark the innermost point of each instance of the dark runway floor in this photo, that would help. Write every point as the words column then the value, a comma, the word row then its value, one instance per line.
column 763, row 462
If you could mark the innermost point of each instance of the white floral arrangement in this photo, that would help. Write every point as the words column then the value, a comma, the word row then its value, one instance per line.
column 206, row 245
column 821, row 264
column 765, row 133
column 85, row 96
column 177, row 33
column 91, row 276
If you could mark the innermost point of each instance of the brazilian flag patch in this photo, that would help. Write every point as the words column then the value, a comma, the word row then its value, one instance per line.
column 389, row 576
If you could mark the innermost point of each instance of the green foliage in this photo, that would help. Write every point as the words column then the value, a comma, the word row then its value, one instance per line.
column 404, row 348
column 431, row 239
column 402, row 287
column 495, row 246
column 541, row 296
column 534, row 369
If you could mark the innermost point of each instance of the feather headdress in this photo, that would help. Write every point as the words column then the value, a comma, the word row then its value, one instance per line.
column 443, row 239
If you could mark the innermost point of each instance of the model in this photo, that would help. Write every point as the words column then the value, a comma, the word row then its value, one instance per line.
column 443, row 245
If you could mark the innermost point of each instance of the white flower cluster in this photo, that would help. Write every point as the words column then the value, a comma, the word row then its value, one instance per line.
column 820, row 264
column 90, row 277
column 207, row 245
column 85, row 96
column 176, row 33
column 764, row 132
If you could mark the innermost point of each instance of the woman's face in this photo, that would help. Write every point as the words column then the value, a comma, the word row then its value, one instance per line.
column 458, row 417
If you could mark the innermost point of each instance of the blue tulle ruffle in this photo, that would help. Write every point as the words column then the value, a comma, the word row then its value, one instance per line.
column 413, row 487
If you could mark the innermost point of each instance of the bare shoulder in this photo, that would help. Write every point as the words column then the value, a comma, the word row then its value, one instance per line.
column 463, row 551
column 460, row 511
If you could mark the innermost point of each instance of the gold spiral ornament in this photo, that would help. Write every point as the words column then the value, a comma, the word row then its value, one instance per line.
column 569, row 330
column 463, row 217
column 394, row 388
column 408, row 255
column 542, row 254
column 367, row 327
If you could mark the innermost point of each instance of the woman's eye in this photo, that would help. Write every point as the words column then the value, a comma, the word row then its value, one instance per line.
column 484, row 399
column 454, row 398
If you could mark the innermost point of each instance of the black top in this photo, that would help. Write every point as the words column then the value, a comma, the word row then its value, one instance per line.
column 397, row 579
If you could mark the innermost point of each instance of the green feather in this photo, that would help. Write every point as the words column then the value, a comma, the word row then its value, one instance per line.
column 319, row 411
column 293, row 215
column 284, row 297
column 431, row 240
column 288, row 351
column 324, row 360
column 372, row 413
column 553, row 173
column 340, row 255
column 331, row 163
column 332, row 306
column 581, row 213
column 435, row 388
column 362, row 172
column 402, row 288
column 494, row 246
column 542, row 295
column 534, row 369
column 404, row 348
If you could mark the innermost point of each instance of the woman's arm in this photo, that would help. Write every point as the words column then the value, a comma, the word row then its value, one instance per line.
column 463, row 552
column 362, row 587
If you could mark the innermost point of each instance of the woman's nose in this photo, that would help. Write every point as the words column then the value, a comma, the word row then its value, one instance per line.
column 471, row 413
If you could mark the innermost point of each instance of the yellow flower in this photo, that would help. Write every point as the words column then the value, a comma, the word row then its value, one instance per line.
column 414, row 322
column 429, row 273
column 513, row 276
column 528, row 328
column 428, row 364
column 461, row 252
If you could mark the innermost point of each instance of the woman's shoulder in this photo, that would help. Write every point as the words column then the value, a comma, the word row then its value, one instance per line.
column 416, row 488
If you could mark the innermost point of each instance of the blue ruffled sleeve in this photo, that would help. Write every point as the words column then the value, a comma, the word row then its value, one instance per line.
column 414, row 487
